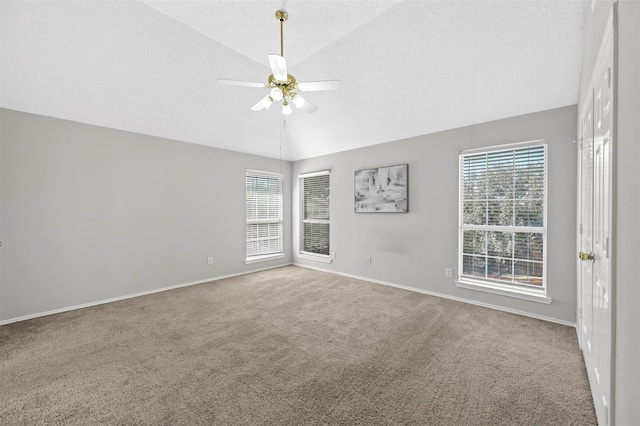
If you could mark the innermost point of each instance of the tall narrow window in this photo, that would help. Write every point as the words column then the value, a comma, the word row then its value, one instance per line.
column 264, row 216
column 315, row 206
column 502, row 217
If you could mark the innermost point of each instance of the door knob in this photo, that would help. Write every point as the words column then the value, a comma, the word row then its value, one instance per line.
column 585, row 256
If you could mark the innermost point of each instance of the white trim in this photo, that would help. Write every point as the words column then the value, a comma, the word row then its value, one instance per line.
column 263, row 258
column 486, row 284
column 322, row 221
column 505, row 290
column 316, row 257
column 302, row 221
column 312, row 174
column 131, row 296
column 446, row 296
column 504, row 147
column 506, row 228
column 260, row 173
column 271, row 176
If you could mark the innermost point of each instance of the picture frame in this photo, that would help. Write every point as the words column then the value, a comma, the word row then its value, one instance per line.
column 382, row 189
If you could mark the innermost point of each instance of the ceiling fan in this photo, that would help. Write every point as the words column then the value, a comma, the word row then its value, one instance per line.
column 283, row 86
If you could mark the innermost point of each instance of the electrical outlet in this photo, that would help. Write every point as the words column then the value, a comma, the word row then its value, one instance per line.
column 448, row 273
column 333, row 254
column 368, row 260
column 210, row 261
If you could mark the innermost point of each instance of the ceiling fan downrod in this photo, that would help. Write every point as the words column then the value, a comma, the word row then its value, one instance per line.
column 281, row 15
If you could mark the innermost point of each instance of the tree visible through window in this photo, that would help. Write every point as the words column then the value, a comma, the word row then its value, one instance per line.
column 502, row 215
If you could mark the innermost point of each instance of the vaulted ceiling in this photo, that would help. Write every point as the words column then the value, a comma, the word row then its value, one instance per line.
column 407, row 67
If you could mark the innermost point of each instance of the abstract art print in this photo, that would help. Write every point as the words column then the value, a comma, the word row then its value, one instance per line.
column 383, row 189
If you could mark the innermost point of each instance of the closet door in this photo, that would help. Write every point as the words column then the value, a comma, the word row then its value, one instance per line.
column 586, row 231
column 596, row 190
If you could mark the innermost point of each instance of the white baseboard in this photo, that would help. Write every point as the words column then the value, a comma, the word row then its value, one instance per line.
column 417, row 290
column 130, row 296
column 446, row 296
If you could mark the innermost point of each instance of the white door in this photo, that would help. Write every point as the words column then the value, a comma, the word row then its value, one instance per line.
column 586, row 230
column 595, row 239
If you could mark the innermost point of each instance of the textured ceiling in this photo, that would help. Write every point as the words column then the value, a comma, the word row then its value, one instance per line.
column 407, row 67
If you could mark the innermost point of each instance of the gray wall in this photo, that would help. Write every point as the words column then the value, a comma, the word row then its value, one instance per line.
column 90, row 213
column 413, row 249
column 626, row 410
column 627, row 375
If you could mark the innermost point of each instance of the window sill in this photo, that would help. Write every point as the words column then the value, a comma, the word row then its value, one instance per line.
column 316, row 257
column 264, row 258
column 520, row 293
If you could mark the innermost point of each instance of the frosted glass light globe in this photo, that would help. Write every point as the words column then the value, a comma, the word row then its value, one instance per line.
column 298, row 101
column 276, row 94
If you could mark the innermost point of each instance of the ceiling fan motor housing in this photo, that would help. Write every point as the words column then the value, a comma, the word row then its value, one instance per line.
column 289, row 88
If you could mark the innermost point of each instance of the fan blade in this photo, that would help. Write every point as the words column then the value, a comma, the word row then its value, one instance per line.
column 315, row 86
column 240, row 83
column 304, row 104
column 278, row 67
column 262, row 104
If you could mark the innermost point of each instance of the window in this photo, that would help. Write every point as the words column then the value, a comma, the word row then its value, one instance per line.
column 314, row 215
column 503, row 220
column 264, row 216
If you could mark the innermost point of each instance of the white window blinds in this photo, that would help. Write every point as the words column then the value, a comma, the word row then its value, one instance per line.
column 315, row 206
column 502, row 215
column 263, row 213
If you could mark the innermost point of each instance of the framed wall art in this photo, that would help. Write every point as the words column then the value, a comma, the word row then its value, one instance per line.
column 382, row 190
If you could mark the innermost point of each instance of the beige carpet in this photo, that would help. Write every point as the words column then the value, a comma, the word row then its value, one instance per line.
column 291, row 346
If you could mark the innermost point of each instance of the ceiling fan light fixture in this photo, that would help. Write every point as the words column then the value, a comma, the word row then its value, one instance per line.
column 286, row 109
column 298, row 101
column 276, row 94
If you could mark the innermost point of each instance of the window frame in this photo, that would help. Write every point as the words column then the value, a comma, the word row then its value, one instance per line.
column 326, row 258
column 522, row 291
column 262, row 257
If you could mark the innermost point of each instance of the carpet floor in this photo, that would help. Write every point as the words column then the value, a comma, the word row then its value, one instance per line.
column 291, row 346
